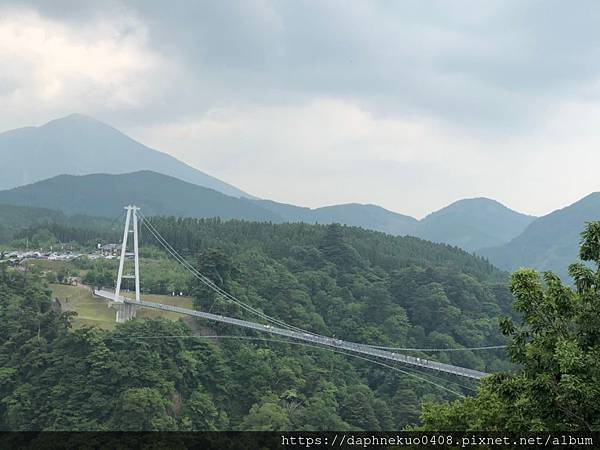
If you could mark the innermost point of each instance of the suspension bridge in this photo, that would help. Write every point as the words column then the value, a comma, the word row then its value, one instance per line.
column 126, row 309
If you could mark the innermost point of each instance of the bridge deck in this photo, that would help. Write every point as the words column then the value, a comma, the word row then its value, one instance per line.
column 306, row 337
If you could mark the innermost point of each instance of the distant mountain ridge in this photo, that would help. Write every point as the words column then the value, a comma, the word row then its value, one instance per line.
column 473, row 224
column 80, row 145
column 104, row 195
column 366, row 216
column 157, row 194
column 550, row 242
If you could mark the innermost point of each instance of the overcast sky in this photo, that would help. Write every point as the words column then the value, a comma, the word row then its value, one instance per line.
column 407, row 104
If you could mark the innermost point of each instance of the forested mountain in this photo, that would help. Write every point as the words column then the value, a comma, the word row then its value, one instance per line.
column 466, row 224
column 473, row 224
column 105, row 195
column 370, row 217
column 549, row 243
column 359, row 285
column 21, row 221
column 555, row 348
column 80, row 145
column 14, row 218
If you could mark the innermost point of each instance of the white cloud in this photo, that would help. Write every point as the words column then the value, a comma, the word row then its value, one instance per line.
column 331, row 151
column 51, row 66
column 409, row 105
column 323, row 151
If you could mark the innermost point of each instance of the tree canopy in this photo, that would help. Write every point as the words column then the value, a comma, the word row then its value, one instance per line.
column 556, row 348
column 340, row 281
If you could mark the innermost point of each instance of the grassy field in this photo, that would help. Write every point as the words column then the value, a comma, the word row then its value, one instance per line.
column 94, row 311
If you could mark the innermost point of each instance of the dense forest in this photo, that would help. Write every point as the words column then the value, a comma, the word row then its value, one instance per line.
column 341, row 281
column 557, row 348
column 28, row 227
column 355, row 284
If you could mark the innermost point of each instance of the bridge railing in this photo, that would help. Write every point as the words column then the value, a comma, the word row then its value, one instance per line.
column 321, row 340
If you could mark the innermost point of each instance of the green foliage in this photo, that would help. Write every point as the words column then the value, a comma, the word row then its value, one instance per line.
column 40, row 227
column 142, row 409
column 160, row 275
column 344, row 282
column 557, row 348
column 267, row 416
column 14, row 218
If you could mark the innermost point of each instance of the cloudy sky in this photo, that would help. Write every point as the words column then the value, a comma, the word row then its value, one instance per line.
column 407, row 104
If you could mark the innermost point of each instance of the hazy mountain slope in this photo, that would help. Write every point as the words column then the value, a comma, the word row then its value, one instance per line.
column 366, row 216
column 105, row 195
column 551, row 242
column 80, row 145
column 473, row 224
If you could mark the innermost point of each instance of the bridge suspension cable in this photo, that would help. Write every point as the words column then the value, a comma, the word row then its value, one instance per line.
column 209, row 283
column 217, row 289
column 127, row 308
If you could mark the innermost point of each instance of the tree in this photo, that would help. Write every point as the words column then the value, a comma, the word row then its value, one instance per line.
column 406, row 407
column 557, row 347
column 217, row 266
column 202, row 412
column 142, row 409
column 335, row 248
column 358, row 408
column 266, row 416
column 321, row 411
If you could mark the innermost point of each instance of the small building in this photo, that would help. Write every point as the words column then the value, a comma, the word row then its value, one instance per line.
column 110, row 249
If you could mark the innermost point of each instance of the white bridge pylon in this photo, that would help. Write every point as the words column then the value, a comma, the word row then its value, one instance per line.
column 126, row 310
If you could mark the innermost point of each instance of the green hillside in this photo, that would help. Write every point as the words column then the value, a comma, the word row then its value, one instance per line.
column 551, row 242
column 105, row 195
column 14, row 218
column 346, row 282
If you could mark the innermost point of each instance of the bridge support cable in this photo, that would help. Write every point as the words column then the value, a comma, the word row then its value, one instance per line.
column 316, row 339
column 209, row 283
column 126, row 309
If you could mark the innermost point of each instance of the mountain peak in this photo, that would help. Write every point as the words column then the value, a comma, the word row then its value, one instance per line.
column 78, row 144
column 473, row 223
column 475, row 202
column 75, row 119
